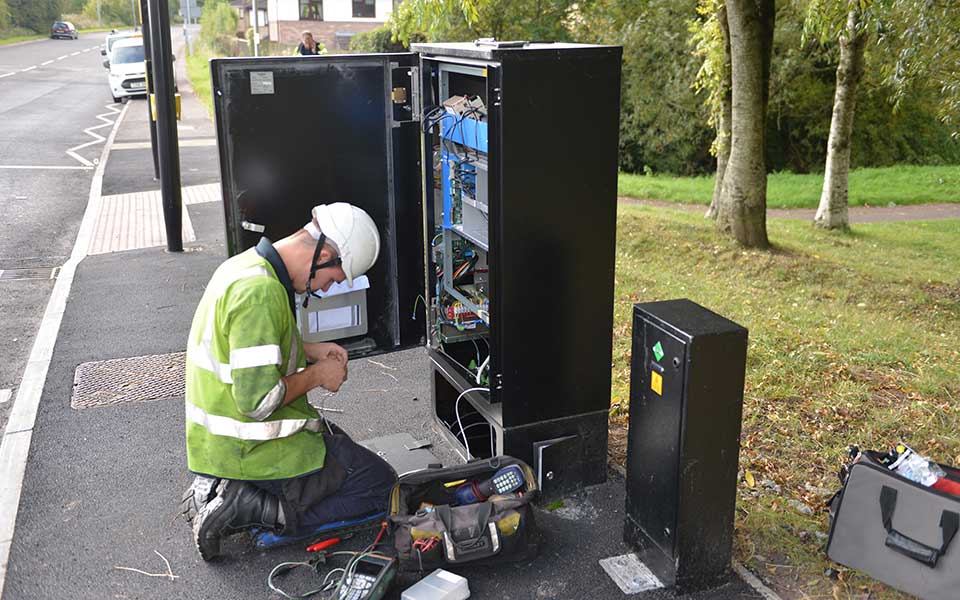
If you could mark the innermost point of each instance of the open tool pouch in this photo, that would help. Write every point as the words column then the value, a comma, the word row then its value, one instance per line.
column 431, row 531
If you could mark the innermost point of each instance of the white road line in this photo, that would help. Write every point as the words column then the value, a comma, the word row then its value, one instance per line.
column 7, row 75
column 16, row 440
column 87, row 50
column 47, row 167
column 28, row 69
column 75, row 53
column 97, row 138
column 62, row 57
column 43, row 64
column 183, row 143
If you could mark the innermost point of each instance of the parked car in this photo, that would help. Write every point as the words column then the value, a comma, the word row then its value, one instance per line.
column 64, row 29
column 115, row 36
column 127, row 72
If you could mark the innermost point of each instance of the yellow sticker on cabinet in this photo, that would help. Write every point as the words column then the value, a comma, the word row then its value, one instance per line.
column 656, row 382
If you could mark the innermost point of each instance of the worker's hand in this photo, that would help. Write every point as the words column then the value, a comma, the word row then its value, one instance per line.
column 329, row 373
column 322, row 350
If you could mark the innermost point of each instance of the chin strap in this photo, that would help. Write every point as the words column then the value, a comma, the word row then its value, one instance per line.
column 314, row 267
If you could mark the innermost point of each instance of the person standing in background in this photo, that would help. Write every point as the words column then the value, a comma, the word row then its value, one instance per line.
column 308, row 46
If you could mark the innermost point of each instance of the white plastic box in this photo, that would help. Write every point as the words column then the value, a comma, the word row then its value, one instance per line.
column 439, row 585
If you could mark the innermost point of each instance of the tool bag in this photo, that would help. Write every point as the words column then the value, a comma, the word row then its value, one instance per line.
column 896, row 530
column 501, row 529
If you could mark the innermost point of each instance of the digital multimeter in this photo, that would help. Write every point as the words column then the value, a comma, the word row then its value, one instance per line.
column 372, row 576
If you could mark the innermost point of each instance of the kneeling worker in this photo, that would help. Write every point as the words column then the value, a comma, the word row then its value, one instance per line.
column 264, row 457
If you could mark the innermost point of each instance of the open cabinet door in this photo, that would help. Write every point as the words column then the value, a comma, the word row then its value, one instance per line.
column 294, row 132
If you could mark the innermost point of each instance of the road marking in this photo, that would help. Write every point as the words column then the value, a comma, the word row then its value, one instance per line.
column 28, row 69
column 7, row 393
column 62, row 57
column 43, row 64
column 97, row 138
column 87, row 50
column 7, row 75
column 15, row 445
column 47, row 167
column 183, row 143
column 75, row 53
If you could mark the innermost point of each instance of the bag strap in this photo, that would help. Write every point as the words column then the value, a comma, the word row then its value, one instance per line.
column 909, row 547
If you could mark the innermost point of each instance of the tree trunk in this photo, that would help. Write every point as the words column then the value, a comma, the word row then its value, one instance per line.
column 723, row 122
column 832, row 212
column 742, row 208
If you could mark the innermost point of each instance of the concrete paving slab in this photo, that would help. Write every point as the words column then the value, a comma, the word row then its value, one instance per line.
column 131, row 221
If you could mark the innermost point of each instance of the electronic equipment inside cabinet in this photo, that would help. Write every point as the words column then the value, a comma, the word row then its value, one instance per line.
column 491, row 170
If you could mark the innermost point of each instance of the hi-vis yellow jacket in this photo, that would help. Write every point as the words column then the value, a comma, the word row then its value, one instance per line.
column 244, row 338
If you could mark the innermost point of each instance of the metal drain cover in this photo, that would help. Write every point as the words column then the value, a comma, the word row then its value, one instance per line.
column 137, row 379
column 42, row 273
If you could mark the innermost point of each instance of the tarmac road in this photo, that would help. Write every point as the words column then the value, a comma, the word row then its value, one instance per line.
column 50, row 91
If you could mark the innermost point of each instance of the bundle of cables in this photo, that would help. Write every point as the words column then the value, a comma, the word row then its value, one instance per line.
column 335, row 579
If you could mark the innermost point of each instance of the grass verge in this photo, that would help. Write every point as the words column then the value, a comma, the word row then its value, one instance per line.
column 198, row 72
column 902, row 184
column 13, row 39
column 25, row 35
column 854, row 339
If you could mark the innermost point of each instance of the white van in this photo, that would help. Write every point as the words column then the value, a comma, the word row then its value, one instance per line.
column 127, row 71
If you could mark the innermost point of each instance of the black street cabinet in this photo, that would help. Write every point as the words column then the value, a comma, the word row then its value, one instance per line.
column 491, row 171
column 686, row 400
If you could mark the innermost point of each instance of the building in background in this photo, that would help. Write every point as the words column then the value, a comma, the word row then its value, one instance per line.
column 244, row 10
column 332, row 22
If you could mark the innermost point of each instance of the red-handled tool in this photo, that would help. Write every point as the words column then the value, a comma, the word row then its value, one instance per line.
column 323, row 545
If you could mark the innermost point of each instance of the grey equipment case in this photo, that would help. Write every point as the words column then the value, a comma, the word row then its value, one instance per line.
column 897, row 531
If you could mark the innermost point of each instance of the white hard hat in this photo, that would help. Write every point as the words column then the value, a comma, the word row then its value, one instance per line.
column 353, row 233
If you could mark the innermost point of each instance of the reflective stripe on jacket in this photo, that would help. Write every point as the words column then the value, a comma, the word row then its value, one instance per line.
column 243, row 340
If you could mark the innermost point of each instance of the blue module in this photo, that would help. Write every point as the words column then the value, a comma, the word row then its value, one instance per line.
column 467, row 132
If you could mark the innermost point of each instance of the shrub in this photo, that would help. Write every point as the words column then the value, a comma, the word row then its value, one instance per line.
column 218, row 27
column 376, row 40
column 112, row 12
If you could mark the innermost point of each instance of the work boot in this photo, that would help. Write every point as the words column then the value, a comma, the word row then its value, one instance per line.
column 201, row 491
column 238, row 506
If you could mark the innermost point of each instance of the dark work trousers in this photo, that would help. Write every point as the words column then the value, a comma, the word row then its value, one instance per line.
column 354, row 482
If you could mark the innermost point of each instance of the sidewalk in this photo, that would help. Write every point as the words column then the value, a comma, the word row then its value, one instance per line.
column 107, row 463
column 858, row 214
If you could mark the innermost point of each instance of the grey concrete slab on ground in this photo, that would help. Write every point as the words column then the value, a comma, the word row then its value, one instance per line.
column 125, row 171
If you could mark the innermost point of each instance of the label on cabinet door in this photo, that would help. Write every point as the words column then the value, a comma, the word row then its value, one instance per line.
column 656, row 382
column 261, row 82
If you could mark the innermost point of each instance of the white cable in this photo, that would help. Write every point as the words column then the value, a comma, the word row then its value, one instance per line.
column 456, row 409
column 483, row 366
